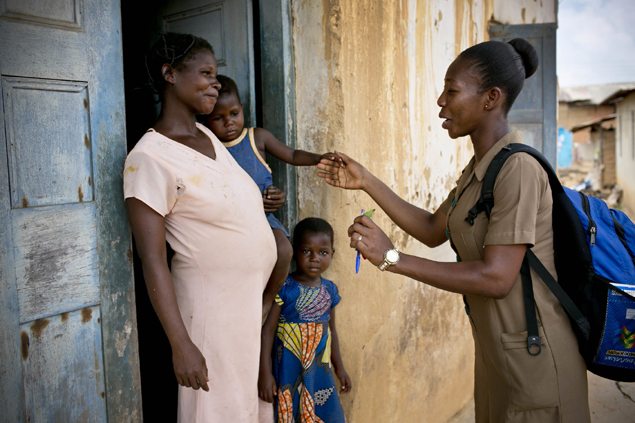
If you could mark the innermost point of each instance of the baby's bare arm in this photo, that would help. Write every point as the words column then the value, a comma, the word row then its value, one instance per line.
column 283, row 152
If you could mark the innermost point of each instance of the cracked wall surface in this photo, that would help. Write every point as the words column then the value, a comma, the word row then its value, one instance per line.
column 368, row 74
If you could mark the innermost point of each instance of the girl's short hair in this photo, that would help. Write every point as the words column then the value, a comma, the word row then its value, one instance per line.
column 175, row 50
column 228, row 86
column 314, row 225
column 503, row 65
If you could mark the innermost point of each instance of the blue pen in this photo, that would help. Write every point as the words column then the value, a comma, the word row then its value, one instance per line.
column 357, row 259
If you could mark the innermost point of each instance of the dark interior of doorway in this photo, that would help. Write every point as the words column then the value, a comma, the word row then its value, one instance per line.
column 139, row 21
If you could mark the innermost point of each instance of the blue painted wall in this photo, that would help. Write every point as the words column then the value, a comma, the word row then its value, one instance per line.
column 565, row 148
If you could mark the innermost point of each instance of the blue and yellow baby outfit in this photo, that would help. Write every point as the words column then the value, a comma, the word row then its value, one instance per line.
column 247, row 156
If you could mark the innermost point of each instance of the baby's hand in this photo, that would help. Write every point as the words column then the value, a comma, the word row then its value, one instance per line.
column 273, row 199
column 331, row 157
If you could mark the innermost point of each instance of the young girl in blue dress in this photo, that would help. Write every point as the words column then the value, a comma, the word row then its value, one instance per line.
column 300, row 338
column 249, row 147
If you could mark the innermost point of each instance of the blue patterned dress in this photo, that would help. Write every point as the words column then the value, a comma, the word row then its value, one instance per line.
column 302, row 355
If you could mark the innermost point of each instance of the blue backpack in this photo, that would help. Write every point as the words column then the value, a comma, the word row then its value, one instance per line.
column 594, row 250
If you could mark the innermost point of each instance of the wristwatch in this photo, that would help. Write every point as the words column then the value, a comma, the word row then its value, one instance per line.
column 391, row 257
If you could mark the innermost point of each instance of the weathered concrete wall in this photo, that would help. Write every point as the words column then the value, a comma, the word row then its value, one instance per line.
column 625, row 152
column 368, row 74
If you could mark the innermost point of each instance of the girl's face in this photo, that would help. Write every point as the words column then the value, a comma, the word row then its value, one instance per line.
column 195, row 84
column 314, row 254
column 462, row 105
column 227, row 120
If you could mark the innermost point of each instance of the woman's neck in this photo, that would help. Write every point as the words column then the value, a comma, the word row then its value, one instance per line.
column 484, row 138
column 175, row 120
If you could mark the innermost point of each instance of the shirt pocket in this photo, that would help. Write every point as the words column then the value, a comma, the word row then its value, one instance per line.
column 533, row 379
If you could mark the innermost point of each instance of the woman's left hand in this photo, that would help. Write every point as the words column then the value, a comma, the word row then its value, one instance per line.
column 273, row 202
column 369, row 239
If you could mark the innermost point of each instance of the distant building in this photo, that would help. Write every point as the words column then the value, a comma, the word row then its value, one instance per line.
column 581, row 105
column 599, row 147
column 623, row 99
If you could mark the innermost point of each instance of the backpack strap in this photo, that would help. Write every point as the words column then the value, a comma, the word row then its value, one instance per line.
column 569, row 306
column 486, row 203
column 530, row 312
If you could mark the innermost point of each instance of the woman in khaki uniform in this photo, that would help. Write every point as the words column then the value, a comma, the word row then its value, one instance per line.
column 510, row 384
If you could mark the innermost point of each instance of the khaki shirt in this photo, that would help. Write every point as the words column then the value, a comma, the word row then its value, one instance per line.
column 510, row 384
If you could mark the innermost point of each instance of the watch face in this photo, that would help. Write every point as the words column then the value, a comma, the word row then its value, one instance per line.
column 392, row 256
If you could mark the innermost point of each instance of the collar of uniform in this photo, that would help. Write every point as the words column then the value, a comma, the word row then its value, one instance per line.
column 466, row 176
column 481, row 167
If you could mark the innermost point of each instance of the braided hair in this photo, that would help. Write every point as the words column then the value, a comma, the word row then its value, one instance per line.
column 503, row 65
column 175, row 50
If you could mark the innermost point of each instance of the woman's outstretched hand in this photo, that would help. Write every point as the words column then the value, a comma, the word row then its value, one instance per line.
column 343, row 172
column 369, row 239
column 189, row 366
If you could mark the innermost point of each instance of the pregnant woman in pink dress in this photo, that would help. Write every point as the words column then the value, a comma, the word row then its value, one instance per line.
column 181, row 185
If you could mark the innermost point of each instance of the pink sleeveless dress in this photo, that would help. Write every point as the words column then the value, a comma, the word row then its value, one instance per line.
column 224, row 254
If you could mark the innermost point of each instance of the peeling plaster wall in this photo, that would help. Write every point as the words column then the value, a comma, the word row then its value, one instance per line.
column 368, row 74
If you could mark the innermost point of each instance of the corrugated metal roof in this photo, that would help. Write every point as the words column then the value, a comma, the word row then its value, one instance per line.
column 594, row 122
column 592, row 94
column 618, row 95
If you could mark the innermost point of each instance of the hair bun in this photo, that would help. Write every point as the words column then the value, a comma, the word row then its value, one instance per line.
column 528, row 55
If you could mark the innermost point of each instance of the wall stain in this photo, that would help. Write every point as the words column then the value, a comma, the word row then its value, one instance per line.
column 129, row 254
column 64, row 317
column 80, row 194
column 25, row 202
column 38, row 327
column 85, row 104
column 464, row 35
column 103, row 394
column 90, row 181
column 86, row 141
column 87, row 314
column 98, row 320
column 522, row 13
column 25, row 345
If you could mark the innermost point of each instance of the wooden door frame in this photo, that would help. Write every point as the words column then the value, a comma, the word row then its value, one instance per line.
column 278, row 95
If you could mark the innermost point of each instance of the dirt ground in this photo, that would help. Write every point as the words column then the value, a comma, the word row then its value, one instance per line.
column 575, row 174
column 609, row 401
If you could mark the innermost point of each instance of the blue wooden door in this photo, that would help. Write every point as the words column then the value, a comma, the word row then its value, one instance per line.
column 67, row 328
column 534, row 112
